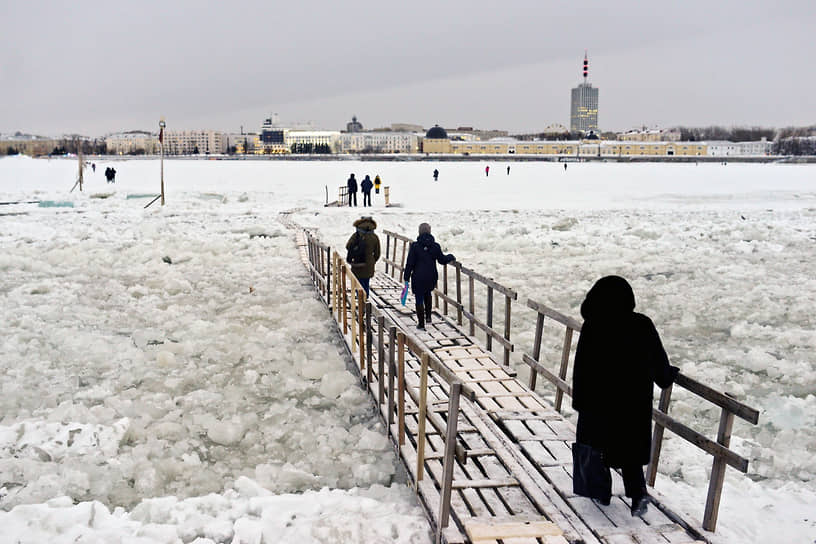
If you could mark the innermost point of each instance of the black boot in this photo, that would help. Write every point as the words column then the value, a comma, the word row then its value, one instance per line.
column 420, row 316
column 639, row 505
column 428, row 314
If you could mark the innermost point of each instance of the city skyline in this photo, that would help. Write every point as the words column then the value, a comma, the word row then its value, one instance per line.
column 102, row 68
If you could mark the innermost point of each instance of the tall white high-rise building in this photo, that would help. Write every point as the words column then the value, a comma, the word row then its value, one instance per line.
column 584, row 110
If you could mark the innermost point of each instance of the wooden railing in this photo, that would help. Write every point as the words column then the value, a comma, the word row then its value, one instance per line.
column 320, row 266
column 719, row 449
column 397, row 247
column 369, row 328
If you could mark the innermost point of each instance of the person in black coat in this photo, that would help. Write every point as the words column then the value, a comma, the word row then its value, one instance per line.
column 366, row 186
column 618, row 359
column 352, row 189
column 420, row 270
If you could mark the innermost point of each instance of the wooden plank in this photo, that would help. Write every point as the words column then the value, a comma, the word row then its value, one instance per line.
column 540, row 455
column 472, row 274
column 485, row 530
column 702, row 442
column 462, row 484
column 723, row 401
column 553, row 314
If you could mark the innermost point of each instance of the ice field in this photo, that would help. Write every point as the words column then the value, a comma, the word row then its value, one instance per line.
column 208, row 398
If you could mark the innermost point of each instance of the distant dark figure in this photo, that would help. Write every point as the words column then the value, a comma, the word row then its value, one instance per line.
column 110, row 175
column 366, row 186
column 364, row 234
column 436, row 174
column 508, row 169
column 487, row 170
column 377, row 183
column 618, row 359
column 93, row 166
column 352, row 190
column 420, row 270
column 565, row 167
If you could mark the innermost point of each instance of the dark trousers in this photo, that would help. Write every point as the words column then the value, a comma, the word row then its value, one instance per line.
column 423, row 308
column 367, row 198
column 365, row 283
column 353, row 198
column 633, row 481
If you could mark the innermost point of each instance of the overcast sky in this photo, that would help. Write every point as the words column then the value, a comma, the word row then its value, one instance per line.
column 94, row 67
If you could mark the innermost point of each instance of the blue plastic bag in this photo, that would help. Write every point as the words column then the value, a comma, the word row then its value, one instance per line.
column 404, row 295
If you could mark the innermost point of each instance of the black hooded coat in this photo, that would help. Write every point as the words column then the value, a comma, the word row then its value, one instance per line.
column 618, row 359
column 420, row 266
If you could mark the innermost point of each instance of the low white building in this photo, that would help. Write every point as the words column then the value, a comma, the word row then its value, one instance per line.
column 739, row 149
column 132, row 143
column 378, row 142
column 191, row 142
column 314, row 137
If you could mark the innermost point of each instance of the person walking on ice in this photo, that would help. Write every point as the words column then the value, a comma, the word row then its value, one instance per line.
column 487, row 170
column 352, row 190
column 420, row 270
column 508, row 169
column 363, row 250
column 365, row 187
column 436, row 174
column 618, row 360
column 377, row 183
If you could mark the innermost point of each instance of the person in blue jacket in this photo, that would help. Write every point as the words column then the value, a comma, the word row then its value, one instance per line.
column 420, row 270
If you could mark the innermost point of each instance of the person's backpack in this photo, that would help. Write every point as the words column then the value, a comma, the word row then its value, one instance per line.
column 357, row 252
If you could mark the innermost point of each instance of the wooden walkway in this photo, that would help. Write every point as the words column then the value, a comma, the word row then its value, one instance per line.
column 512, row 476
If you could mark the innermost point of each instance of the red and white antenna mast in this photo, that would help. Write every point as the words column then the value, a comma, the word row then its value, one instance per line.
column 586, row 65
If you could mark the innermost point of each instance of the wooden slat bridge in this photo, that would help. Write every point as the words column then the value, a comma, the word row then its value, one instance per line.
column 490, row 460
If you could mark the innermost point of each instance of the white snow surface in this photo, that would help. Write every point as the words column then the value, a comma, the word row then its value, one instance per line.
column 207, row 399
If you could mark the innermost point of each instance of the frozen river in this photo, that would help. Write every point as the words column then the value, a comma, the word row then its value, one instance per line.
column 208, row 397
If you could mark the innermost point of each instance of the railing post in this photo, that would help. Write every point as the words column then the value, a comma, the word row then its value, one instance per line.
column 447, row 467
column 353, row 311
column 423, row 413
column 471, row 304
column 369, row 341
column 657, row 437
column 401, row 388
column 444, row 290
column 387, row 256
column 489, row 317
column 507, row 302
column 536, row 349
column 361, row 326
column 459, row 294
column 343, row 299
column 380, row 360
column 329, row 283
column 715, row 485
column 392, row 336
column 562, row 372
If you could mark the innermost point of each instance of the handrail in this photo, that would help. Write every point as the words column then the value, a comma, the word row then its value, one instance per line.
column 351, row 304
column 394, row 241
column 719, row 449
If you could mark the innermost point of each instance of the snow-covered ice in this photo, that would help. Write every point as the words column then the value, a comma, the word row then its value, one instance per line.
column 208, row 397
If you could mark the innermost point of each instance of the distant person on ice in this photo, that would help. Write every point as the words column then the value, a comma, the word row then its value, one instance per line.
column 365, row 187
column 352, row 189
column 565, row 167
column 420, row 270
column 618, row 359
column 487, row 170
column 436, row 174
column 368, row 245
column 508, row 169
column 377, row 183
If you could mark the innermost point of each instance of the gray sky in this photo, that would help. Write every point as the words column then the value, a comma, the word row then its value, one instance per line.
column 95, row 67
